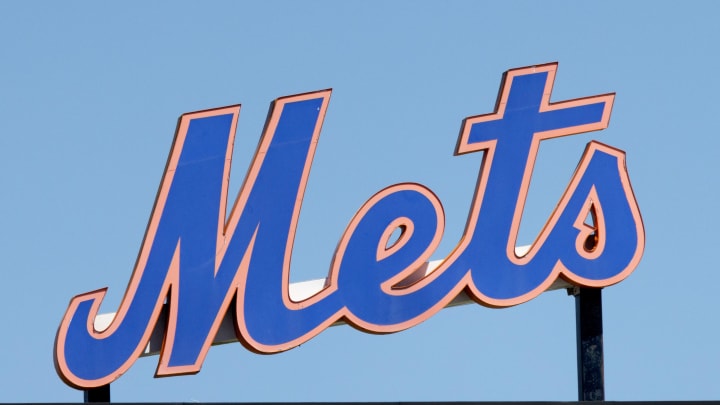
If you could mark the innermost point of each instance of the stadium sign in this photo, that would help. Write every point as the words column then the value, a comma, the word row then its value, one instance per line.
column 197, row 264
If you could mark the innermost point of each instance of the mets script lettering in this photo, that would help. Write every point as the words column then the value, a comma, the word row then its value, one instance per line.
column 198, row 264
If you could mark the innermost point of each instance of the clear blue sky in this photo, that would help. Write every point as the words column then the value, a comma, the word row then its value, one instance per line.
column 89, row 99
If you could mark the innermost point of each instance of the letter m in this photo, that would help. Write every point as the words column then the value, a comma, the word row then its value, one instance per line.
column 191, row 258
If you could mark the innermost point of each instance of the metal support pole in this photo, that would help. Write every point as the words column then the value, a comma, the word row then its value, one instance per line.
column 99, row 394
column 588, row 324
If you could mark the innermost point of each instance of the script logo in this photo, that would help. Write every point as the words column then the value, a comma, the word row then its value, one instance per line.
column 200, row 263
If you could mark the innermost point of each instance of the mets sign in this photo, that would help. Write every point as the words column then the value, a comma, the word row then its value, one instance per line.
column 197, row 264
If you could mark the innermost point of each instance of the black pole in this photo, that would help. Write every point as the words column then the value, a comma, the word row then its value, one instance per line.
column 588, row 324
column 99, row 394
